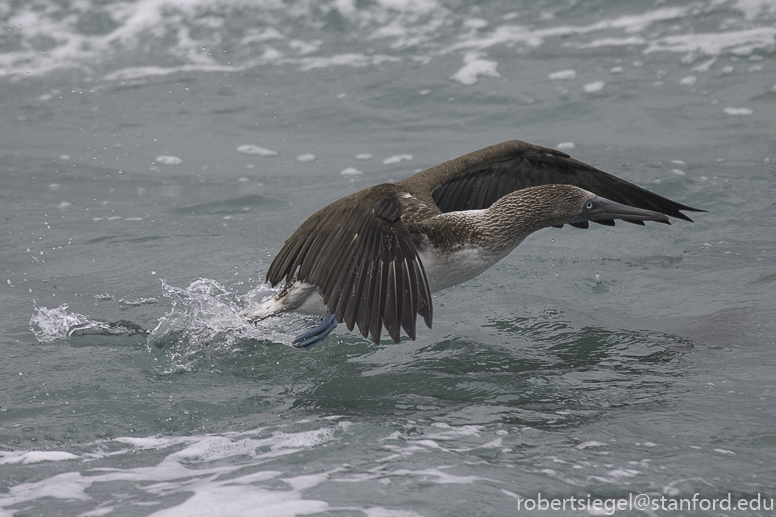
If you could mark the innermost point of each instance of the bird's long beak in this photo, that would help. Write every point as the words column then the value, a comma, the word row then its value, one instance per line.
column 598, row 209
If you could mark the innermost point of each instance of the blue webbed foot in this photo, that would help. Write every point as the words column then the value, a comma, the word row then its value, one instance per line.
column 316, row 335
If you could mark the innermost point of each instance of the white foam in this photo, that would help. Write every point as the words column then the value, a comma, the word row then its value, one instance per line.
column 493, row 444
column 623, row 473
column 305, row 158
column 207, row 477
column 689, row 80
column 754, row 8
column 304, row 439
column 216, row 447
column 152, row 442
column 453, row 432
column 593, row 87
column 714, row 43
column 238, row 500
column 563, row 75
column 738, row 112
column 475, row 23
column 437, row 476
column 590, row 443
column 350, row 171
column 140, row 72
column 413, row 6
column 168, row 160
column 139, row 301
column 475, row 66
column 364, row 156
column 506, row 34
column 256, row 150
column 348, row 59
column 305, row 482
column 742, row 41
column 76, row 50
column 397, row 159
column 253, row 35
column 25, row 458
column 705, row 66
column 189, row 35
column 304, row 47
column 611, row 42
column 565, row 146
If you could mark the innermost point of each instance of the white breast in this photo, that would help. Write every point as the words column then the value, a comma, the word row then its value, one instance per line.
column 446, row 269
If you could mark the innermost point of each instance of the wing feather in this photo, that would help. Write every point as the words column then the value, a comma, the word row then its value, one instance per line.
column 408, row 304
column 361, row 255
column 377, row 308
column 392, row 302
column 477, row 180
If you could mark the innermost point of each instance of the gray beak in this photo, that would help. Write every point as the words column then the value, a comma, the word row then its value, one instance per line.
column 600, row 209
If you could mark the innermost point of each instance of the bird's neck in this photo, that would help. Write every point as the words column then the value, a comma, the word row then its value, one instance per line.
column 517, row 215
column 502, row 226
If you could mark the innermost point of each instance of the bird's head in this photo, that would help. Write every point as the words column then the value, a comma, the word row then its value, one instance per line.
column 556, row 205
column 593, row 208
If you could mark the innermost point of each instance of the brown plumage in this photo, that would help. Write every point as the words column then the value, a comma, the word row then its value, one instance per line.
column 364, row 251
column 360, row 254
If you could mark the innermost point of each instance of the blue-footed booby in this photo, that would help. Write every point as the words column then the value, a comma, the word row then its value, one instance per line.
column 373, row 258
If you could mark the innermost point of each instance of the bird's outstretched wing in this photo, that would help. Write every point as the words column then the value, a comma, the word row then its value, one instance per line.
column 362, row 257
column 477, row 180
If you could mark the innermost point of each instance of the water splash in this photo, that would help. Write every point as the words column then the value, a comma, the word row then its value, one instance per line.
column 55, row 324
column 50, row 325
column 203, row 325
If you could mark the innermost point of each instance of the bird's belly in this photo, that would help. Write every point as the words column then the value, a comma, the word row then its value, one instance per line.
column 446, row 269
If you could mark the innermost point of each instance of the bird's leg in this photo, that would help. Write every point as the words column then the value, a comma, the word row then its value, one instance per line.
column 315, row 335
column 292, row 297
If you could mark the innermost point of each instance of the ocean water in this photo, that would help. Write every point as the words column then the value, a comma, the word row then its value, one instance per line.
column 155, row 154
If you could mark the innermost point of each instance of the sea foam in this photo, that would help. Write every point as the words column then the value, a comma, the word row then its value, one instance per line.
column 154, row 38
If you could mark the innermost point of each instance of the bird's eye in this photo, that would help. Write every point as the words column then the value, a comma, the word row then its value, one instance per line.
column 589, row 205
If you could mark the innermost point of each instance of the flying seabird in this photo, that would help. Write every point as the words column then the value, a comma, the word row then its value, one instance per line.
column 373, row 258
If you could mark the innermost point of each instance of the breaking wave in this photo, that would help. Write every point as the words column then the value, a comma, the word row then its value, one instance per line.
column 126, row 40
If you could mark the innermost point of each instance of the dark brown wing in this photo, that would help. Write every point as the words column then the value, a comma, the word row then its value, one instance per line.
column 477, row 180
column 360, row 254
